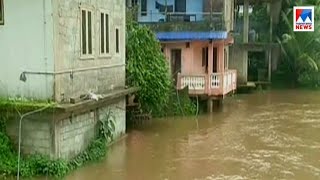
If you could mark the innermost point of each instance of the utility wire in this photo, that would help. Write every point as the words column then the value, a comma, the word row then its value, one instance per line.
column 22, row 116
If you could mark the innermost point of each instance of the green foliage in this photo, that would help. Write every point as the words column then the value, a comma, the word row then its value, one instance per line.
column 40, row 165
column 107, row 127
column 260, row 21
column 95, row 152
column 147, row 68
column 179, row 104
column 31, row 165
column 22, row 104
column 300, row 50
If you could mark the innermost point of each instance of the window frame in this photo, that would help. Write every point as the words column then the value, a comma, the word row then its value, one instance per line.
column 105, row 54
column 87, row 55
column 2, row 12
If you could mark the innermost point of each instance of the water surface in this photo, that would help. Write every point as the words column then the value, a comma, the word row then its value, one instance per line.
column 273, row 135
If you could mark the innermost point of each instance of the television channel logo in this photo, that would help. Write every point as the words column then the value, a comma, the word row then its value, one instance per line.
column 303, row 18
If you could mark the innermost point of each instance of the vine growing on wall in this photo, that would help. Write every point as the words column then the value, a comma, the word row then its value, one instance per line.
column 147, row 68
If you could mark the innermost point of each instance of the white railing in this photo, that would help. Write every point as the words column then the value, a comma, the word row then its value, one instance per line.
column 234, row 80
column 156, row 16
column 227, row 82
column 215, row 81
column 193, row 82
column 214, row 84
column 230, row 81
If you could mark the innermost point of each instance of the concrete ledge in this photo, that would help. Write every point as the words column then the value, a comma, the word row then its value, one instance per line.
column 89, row 104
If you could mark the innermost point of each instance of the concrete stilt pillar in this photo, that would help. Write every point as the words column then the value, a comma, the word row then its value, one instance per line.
column 245, row 38
column 210, row 105
column 246, row 21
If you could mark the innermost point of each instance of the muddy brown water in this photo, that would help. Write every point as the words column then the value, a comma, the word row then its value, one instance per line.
column 271, row 135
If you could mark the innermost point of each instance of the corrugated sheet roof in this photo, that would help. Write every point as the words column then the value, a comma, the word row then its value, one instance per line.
column 189, row 36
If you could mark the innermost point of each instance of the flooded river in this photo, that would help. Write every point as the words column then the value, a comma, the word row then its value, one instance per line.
column 272, row 135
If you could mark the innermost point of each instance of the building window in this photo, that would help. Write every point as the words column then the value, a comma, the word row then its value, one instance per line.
column 143, row 7
column 104, row 33
column 1, row 12
column 117, row 40
column 86, row 32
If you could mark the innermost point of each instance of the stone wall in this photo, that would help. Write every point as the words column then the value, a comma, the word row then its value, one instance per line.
column 36, row 134
column 64, row 138
column 74, row 134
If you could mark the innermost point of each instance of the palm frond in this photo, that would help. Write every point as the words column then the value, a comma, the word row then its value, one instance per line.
column 306, row 61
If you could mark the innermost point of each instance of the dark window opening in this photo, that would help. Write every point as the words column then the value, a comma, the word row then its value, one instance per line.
column 102, row 33
column 84, row 32
column 143, row 7
column 89, row 33
column 205, row 58
column 1, row 12
column 104, row 37
column 215, row 60
column 117, row 40
column 107, row 33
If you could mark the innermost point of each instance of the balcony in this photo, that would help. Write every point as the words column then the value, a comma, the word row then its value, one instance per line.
column 183, row 21
column 216, row 84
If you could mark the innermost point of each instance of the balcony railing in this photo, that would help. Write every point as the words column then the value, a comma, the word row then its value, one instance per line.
column 186, row 21
column 209, row 84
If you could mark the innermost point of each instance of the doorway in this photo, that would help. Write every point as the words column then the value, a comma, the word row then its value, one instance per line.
column 175, row 63
column 257, row 66
column 205, row 59
column 215, row 60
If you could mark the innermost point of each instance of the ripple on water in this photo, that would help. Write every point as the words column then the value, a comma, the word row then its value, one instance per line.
column 224, row 177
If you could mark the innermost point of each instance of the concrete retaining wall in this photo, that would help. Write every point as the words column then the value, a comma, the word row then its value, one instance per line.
column 65, row 137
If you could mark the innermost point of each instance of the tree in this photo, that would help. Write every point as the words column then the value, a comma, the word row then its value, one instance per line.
column 300, row 50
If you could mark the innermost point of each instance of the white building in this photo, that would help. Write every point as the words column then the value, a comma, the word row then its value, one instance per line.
column 65, row 48
column 62, row 49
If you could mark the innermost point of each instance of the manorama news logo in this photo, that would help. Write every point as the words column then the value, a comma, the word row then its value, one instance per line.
column 303, row 18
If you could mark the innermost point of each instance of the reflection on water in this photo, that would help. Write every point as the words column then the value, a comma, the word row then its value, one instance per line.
column 274, row 135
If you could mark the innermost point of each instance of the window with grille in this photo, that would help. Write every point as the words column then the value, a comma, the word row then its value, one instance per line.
column 104, row 33
column 86, row 32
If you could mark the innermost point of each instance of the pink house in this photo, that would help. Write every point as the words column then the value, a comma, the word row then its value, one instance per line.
column 195, row 39
column 199, row 61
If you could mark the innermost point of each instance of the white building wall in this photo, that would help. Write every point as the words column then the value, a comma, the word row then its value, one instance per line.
column 26, row 44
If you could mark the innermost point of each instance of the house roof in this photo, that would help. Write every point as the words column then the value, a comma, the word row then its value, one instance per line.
column 189, row 36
